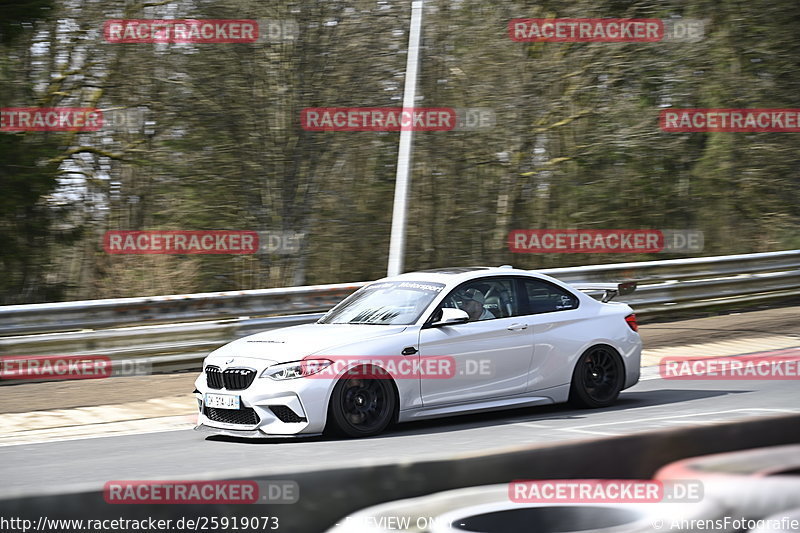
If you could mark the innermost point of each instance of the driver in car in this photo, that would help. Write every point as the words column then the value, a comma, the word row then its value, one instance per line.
column 473, row 301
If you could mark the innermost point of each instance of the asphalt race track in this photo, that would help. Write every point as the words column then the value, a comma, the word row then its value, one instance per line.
column 652, row 404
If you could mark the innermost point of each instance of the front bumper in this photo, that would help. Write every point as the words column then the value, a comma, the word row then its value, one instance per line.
column 267, row 408
column 246, row 434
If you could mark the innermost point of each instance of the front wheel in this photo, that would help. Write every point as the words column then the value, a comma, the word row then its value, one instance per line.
column 361, row 407
column 598, row 378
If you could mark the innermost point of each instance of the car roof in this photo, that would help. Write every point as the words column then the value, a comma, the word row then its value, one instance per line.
column 454, row 275
column 452, row 270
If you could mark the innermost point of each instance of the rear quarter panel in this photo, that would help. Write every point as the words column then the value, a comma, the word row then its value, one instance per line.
column 561, row 337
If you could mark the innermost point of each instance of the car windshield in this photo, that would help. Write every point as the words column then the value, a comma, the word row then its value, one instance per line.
column 385, row 303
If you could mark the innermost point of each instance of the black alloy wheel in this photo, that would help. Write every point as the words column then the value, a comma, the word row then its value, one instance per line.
column 362, row 406
column 598, row 378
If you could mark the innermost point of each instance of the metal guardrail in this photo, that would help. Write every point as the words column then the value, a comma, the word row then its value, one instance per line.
column 679, row 269
column 119, row 312
column 176, row 332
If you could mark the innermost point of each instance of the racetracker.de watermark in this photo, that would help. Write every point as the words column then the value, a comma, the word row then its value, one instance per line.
column 563, row 30
column 181, row 242
column 378, row 119
column 278, row 30
column 66, row 367
column 474, row 118
column 393, row 367
column 537, row 241
column 606, row 30
column 201, row 492
column 215, row 31
column 202, row 242
column 75, row 119
column 386, row 367
column 14, row 119
column 777, row 365
column 605, row 491
column 730, row 120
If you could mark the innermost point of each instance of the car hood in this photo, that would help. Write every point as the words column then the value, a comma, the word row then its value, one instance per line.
column 296, row 342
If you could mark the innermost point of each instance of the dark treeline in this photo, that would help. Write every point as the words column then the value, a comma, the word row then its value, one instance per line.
column 214, row 139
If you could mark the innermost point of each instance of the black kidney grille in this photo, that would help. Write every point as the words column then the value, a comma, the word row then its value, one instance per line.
column 245, row 416
column 238, row 378
column 231, row 378
column 213, row 377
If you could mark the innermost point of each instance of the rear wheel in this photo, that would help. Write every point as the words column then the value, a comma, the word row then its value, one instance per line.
column 361, row 407
column 598, row 378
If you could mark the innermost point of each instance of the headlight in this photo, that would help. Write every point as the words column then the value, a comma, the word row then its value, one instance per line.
column 296, row 369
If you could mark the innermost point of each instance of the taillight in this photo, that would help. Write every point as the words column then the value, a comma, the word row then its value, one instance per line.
column 631, row 320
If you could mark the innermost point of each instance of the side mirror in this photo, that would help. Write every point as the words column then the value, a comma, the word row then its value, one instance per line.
column 451, row 317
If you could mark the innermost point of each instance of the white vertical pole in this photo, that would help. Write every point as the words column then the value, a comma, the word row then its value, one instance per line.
column 399, row 213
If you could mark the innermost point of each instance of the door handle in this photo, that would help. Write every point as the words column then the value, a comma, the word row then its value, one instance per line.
column 517, row 327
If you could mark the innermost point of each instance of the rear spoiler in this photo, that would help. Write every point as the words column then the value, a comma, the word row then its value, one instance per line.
column 610, row 290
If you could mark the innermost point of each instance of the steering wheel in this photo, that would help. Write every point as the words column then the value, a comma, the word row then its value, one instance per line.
column 453, row 302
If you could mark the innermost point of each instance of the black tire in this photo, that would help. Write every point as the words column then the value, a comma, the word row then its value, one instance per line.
column 361, row 407
column 598, row 378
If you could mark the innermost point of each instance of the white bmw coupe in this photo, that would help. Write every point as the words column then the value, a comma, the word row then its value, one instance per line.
column 422, row 345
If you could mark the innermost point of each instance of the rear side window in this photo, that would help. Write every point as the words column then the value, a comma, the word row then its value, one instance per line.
column 544, row 297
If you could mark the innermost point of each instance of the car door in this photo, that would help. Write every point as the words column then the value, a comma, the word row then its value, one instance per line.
column 555, row 323
column 492, row 356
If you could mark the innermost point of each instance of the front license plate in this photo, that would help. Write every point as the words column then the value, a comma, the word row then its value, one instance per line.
column 222, row 401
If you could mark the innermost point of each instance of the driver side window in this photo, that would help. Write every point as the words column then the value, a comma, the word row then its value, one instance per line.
column 484, row 299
